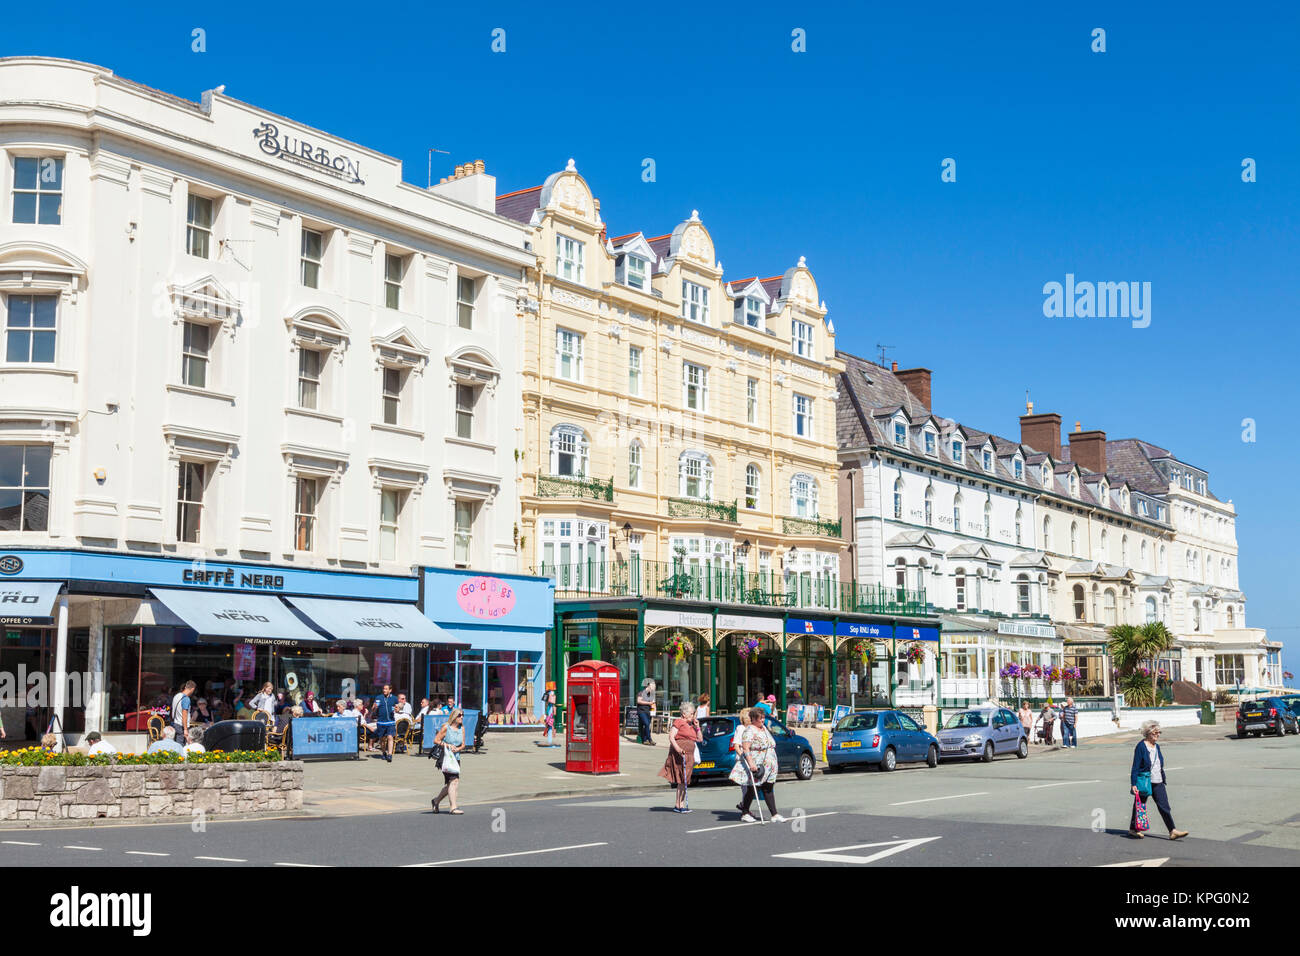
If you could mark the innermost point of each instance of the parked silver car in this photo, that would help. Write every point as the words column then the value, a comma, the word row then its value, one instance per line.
column 983, row 733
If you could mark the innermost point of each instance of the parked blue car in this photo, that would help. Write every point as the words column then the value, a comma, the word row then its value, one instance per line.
column 983, row 733
column 717, row 754
column 885, row 738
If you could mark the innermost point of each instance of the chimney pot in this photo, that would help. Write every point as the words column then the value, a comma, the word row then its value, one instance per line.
column 895, row 368
column 1078, row 426
column 480, row 166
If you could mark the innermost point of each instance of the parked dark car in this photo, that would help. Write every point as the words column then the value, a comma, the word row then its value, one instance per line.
column 1268, row 715
column 885, row 738
column 982, row 733
column 718, row 750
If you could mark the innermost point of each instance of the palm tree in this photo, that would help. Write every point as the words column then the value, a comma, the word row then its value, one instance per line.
column 1134, row 650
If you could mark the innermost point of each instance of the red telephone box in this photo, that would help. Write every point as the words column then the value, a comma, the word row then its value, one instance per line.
column 591, row 734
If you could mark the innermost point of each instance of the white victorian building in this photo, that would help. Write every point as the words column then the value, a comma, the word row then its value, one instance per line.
column 231, row 339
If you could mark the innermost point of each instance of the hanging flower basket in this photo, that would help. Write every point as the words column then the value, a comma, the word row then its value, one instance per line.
column 1032, row 672
column 1011, row 672
column 863, row 651
column 1071, row 674
column 747, row 647
column 915, row 653
column 1053, row 674
column 680, row 647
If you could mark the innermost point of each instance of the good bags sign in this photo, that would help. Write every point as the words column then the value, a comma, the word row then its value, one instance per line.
column 488, row 599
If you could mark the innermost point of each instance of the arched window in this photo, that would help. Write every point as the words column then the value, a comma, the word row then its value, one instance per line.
column 898, row 499
column 751, row 487
column 568, row 451
column 1231, row 617
column 956, row 512
column 929, row 506
column 1047, row 533
column 1123, row 551
column 1074, row 485
column 1145, row 566
column 900, row 580
column 1074, row 537
column 634, row 465
column 1164, row 564
column 1080, row 606
column 1110, row 607
column 1190, row 565
column 803, row 496
column 1151, row 610
column 1022, row 593
column 1105, row 553
column 1196, row 615
column 695, row 475
column 959, row 579
column 988, row 520
column 1019, row 524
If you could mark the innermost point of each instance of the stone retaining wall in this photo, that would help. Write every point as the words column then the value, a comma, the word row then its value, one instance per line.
column 153, row 790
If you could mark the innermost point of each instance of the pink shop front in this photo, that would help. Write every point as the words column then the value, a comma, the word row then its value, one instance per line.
column 504, row 620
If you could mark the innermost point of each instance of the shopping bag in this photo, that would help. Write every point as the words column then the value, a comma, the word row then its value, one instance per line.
column 449, row 763
column 1141, row 814
column 697, row 754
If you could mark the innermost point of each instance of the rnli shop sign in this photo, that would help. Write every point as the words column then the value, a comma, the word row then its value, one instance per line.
column 488, row 599
column 296, row 149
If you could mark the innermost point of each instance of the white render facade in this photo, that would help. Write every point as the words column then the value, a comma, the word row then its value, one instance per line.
column 236, row 338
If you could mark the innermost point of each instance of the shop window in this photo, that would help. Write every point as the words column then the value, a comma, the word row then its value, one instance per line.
column 38, row 190
column 25, row 487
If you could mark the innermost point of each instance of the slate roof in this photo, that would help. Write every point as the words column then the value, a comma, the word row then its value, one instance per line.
column 520, row 205
column 870, row 397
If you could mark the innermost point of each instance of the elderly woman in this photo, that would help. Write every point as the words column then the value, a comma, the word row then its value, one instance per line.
column 756, row 767
column 1149, row 769
column 683, row 735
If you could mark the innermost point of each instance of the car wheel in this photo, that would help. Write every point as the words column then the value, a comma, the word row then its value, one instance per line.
column 805, row 769
column 932, row 758
column 1023, row 750
column 889, row 761
column 1281, row 731
column 988, row 752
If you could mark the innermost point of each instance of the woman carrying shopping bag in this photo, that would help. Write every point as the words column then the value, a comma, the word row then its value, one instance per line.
column 451, row 741
column 756, row 768
column 1148, row 778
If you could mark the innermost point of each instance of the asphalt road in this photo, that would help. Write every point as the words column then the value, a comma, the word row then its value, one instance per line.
column 1065, row 808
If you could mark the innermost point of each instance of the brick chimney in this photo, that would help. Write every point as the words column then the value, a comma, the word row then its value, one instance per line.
column 916, row 381
column 1088, row 450
column 1041, row 432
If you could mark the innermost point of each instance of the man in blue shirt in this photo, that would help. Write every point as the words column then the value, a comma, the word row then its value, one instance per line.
column 167, row 742
column 385, row 715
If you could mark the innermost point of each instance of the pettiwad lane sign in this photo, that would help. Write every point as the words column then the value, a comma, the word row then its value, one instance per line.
column 324, row 737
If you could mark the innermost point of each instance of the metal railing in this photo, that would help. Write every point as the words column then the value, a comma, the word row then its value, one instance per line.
column 687, row 581
column 702, row 508
column 822, row 527
column 568, row 486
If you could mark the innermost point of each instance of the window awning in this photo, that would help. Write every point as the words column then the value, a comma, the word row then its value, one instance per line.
column 373, row 622
column 251, row 618
column 498, row 639
column 28, row 602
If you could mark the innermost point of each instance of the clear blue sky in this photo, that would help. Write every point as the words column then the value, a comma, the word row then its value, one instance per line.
column 1123, row 165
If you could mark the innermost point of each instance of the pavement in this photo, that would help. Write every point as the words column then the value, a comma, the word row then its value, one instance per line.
column 1058, row 808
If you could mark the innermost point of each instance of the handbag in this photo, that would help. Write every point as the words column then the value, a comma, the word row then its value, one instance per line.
column 1144, row 783
column 435, row 754
column 697, row 754
column 1140, row 814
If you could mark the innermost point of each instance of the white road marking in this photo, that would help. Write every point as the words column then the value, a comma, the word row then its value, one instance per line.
column 903, row 803
column 304, row 864
column 19, row 843
column 501, row 856
column 144, row 853
column 1063, row 783
column 1158, row 861
column 834, row 854
column 731, row 826
column 221, row 859
column 94, row 848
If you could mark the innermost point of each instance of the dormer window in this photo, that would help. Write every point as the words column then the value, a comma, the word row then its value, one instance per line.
column 1074, row 485
column 753, row 313
column 636, row 271
column 1018, row 468
column 988, row 459
column 1047, row 476
column 1142, row 508
column 1105, row 494
column 900, row 433
column 957, row 450
column 930, row 443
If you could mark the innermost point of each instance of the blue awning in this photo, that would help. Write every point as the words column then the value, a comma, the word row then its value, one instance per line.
column 498, row 639
column 28, row 602
column 373, row 622
column 252, row 618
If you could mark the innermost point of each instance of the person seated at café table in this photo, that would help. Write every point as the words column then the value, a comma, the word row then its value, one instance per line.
column 340, row 708
column 309, row 705
column 420, row 714
column 166, row 742
column 203, row 713
column 403, row 708
column 195, row 746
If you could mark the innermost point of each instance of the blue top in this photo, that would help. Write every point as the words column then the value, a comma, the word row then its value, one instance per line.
column 1142, row 763
column 454, row 737
column 385, row 709
column 165, row 744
